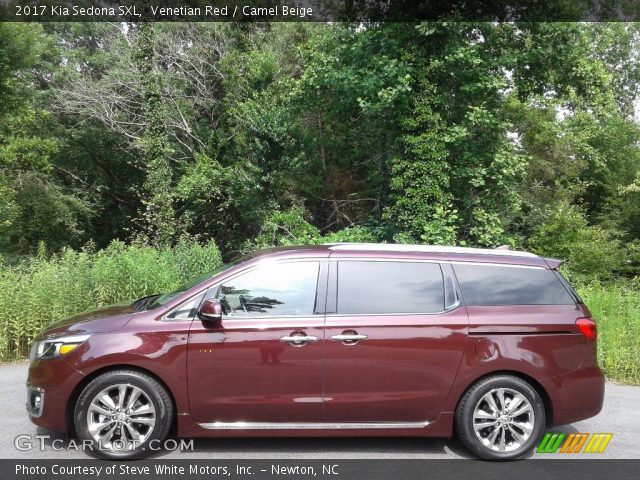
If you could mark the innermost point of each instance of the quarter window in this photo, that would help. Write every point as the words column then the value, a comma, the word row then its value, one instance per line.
column 510, row 285
column 272, row 290
column 187, row 310
column 389, row 287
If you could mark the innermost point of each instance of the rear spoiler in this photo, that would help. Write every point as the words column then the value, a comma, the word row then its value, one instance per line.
column 554, row 263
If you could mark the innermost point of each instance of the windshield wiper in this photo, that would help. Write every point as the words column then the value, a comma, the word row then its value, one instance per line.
column 144, row 302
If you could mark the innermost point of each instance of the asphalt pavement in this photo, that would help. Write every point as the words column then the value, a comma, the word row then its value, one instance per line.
column 620, row 416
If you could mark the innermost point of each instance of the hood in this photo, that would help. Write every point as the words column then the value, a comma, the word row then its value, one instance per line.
column 105, row 319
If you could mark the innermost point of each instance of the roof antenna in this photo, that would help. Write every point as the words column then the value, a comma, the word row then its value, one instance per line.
column 502, row 247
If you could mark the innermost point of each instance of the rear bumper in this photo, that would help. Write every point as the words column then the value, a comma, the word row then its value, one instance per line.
column 577, row 395
column 50, row 385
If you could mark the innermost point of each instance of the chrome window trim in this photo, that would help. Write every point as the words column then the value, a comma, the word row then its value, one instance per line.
column 432, row 260
column 406, row 248
column 387, row 260
column 495, row 264
column 242, row 317
column 395, row 314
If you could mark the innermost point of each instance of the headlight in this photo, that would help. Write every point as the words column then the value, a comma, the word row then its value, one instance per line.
column 55, row 347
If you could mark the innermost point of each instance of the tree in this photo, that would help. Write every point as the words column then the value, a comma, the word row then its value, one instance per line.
column 456, row 133
column 34, row 206
column 158, row 216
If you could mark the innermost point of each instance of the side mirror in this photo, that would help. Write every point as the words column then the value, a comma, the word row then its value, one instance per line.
column 210, row 310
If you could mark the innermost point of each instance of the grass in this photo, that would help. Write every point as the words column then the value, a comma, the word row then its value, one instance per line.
column 43, row 289
column 615, row 309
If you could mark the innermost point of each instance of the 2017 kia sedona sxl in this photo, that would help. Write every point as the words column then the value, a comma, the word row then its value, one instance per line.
column 331, row 340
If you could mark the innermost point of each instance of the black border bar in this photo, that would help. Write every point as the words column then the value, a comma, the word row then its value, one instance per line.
column 319, row 10
column 339, row 469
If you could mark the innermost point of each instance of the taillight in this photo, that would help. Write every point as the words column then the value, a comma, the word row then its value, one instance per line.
column 588, row 328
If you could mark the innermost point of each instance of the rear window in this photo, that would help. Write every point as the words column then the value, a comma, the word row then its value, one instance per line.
column 389, row 287
column 510, row 285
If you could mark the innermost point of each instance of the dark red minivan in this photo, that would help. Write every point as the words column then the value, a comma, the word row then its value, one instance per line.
column 331, row 340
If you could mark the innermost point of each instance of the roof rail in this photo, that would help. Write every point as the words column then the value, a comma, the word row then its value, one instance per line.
column 398, row 247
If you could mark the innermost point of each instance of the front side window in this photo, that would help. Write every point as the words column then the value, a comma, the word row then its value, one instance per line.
column 272, row 290
column 389, row 287
column 510, row 285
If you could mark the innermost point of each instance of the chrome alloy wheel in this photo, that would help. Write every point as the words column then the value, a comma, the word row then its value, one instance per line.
column 503, row 420
column 121, row 417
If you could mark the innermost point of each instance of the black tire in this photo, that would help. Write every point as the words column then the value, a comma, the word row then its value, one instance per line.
column 156, row 397
column 464, row 419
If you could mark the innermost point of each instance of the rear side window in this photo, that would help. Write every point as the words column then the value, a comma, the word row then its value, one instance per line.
column 567, row 285
column 389, row 287
column 510, row 285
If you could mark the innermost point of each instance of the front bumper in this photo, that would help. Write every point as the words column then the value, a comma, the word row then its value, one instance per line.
column 35, row 401
column 50, row 386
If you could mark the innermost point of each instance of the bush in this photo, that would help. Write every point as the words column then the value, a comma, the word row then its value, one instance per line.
column 615, row 307
column 42, row 290
column 285, row 228
column 291, row 228
column 590, row 252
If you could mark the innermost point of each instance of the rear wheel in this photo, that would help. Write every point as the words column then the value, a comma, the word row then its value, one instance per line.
column 500, row 418
column 121, row 412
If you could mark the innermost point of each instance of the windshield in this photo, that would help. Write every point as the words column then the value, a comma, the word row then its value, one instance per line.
column 163, row 299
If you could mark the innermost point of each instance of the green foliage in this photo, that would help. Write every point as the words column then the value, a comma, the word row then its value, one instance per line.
column 21, row 48
column 589, row 251
column 421, row 200
column 286, row 228
column 44, row 289
column 615, row 309
column 357, row 234
column 218, row 200
column 9, row 211
column 158, row 214
column 452, row 133
column 291, row 228
column 37, row 208
column 34, row 206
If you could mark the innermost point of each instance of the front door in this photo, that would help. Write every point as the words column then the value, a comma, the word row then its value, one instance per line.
column 393, row 343
column 263, row 363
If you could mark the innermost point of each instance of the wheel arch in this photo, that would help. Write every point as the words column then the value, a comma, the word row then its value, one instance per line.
column 75, row 394
column 535, row 384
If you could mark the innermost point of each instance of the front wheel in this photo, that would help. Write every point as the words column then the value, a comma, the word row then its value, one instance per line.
column 500, row 418
column 120, row 412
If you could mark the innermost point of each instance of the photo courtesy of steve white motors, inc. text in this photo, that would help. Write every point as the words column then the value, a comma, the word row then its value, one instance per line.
column 159, row 12
column 169, row 469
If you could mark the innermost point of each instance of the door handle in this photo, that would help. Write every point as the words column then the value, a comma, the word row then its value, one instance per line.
column 298, row 340
column 349, row 337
